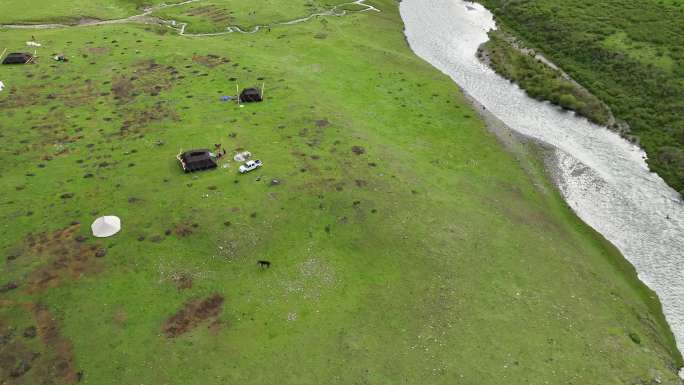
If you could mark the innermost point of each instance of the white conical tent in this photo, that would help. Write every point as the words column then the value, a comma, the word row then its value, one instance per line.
column 106, row 226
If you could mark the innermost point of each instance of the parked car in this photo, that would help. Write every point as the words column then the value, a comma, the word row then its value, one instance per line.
column 250, row 165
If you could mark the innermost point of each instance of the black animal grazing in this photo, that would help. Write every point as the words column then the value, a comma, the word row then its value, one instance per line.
column 265, row 264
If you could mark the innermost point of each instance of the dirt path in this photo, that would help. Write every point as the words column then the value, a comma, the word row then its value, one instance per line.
column 146, row 18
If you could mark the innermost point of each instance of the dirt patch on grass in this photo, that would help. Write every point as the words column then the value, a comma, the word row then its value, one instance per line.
column 193, row 313
column 71, row 95
column 210, row 61
column 98, row 50
column 22, row 96
column 136, row 119
column 122, row 88
column 120, row 317
column 16, row 359
column 77, row 95
column 68, row 258
column 147, row 77
column 59, row 364
column 182, row 280
column 25, row 362
column 8, row 287
column 53, row 135
column 182, row 230
column 43, row 242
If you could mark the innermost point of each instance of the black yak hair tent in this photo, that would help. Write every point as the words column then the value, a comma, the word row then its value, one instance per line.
column 196, row 160
column 17, row 58
column 249, row 95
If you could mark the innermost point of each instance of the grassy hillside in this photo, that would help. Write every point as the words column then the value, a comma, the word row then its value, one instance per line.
column 627, row 53
column 406, row 245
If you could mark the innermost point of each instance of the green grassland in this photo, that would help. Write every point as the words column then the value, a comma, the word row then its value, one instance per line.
column 644, row 52
column 216, row 15
column 17, row 11
column 629, row 54
column 407, row 246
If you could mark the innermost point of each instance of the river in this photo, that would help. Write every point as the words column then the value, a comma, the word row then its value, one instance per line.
column 603, row 177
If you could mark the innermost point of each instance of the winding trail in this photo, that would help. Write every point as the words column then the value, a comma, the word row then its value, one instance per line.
column 146, row 18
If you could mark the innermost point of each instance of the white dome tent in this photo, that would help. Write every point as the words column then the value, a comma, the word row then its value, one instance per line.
column 106, row 226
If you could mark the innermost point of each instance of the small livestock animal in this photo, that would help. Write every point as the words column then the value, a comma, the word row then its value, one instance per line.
column 265, row 264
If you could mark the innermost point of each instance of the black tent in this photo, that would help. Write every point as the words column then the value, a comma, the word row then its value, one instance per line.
column 196, row 160
column 250, row 95
column 17, row 58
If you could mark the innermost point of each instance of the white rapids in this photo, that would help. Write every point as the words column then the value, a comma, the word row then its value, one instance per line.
column 603, row 177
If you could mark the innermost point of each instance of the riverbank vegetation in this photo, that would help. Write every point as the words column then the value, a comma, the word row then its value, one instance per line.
column 406, row 245
column 539, row 80
column 629, row 54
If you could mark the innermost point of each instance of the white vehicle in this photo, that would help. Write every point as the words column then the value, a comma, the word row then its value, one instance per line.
column 250, row 165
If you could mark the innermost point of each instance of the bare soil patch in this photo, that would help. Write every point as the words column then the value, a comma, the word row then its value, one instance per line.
column 120, row 317
column 22, row 96
column 182, row 230
column 59, row 361
column 78, row 94
column 147, row 77
column 8, row 287
column 193, row 313
column 23, row 362
column 98, row 50
column 182, row 280
column 69, row 258
column 53, row 135
column 210, row 61
column 72, row 95
column 137, row 119
column 16, row 359
column 122, row 88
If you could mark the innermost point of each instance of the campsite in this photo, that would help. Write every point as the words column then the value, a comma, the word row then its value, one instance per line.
column 404, row 243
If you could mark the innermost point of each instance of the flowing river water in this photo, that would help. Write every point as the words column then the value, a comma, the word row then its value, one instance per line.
column 603, row 177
